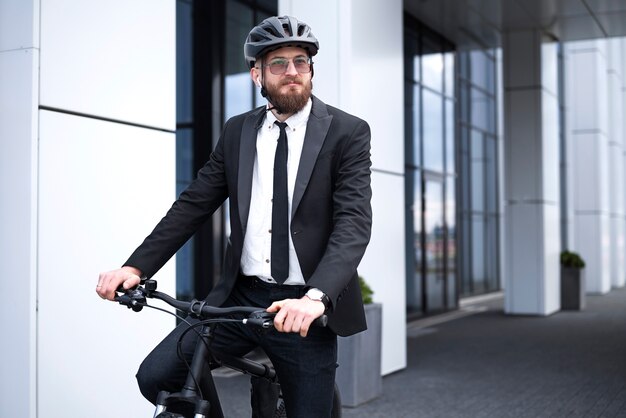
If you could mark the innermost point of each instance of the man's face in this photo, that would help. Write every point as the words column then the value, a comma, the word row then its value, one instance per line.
column 290, row 90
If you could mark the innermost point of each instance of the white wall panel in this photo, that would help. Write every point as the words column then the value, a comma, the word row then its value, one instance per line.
column 17, row 28
column 378, row 78
column 18, row 231
column 114, row 59
column 383, row 266
column 103, row 186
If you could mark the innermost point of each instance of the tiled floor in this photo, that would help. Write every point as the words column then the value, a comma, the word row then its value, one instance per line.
column 488, row 364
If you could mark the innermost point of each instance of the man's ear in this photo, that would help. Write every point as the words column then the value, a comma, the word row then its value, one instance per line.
column 255, row 76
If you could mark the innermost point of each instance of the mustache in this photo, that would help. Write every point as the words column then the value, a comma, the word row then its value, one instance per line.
column 290, row 80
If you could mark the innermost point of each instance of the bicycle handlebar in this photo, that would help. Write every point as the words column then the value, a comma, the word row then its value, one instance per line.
column 135, row 299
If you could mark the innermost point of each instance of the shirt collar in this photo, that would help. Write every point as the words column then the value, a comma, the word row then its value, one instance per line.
column 295, row 120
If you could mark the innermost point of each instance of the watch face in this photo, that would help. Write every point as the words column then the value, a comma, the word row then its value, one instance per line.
column 315, row 294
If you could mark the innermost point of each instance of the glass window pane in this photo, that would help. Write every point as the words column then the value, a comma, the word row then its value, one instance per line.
column 491, row 173
column 239, row 21
column 478, row 253
column 432, row 70
column 482, row 70
column 477, row 172
column 414, row 244
column 184, row 159
column 238, row 90
column 450, row 143
column 433, row 131
column 184, row 71
column 416, row 120
column 448, row 59
column 435, row 240
column 480, row 109
column 451, row 228
column 491, row 245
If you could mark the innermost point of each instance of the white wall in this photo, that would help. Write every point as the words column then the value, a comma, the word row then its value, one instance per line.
column 81, row 194
column 363, row 75
column 19, row 60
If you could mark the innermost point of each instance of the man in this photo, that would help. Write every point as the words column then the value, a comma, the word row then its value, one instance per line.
column 298, row 230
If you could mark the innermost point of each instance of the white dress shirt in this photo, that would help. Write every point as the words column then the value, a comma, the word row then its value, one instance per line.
column 257, row 245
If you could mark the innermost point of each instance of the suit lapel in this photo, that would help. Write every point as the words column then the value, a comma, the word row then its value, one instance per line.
column 247, row 152
column 316, row 130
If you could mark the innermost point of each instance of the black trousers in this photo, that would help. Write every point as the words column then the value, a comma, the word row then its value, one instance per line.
column 305, row 366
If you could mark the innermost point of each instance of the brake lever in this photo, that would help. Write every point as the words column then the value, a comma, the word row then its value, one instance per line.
column 134, row 298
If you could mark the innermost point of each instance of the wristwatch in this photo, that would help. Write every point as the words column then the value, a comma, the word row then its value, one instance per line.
column 316, row 294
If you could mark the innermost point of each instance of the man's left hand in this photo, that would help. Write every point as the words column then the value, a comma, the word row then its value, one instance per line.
column 296, row 315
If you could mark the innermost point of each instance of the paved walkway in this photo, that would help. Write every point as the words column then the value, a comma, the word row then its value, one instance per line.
column 487, row 364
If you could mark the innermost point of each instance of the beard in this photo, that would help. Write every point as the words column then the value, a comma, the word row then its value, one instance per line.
column 292, row 101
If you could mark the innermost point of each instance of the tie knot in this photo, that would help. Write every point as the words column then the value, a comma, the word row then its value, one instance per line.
column 281, row 125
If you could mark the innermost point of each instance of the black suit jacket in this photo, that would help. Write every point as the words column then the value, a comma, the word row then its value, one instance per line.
column 331, row 211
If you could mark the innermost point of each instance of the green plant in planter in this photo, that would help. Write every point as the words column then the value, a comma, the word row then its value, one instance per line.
column 572, row 259
column 366, row 291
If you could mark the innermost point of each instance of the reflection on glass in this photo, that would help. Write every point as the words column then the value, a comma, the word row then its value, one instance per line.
column 478, row 253
column 435, row 240
column 451, row 245
column 416, row 115
column 416, row 67
column 482, row 110
column 432, row 70
column 482, row 70
column 237, row 94
column 448, row 59
column 184, row 73
column 491, row 173
column 414, row 285
column 491, row 245
column 477, row 172
column 433, row 131
column 450, row 136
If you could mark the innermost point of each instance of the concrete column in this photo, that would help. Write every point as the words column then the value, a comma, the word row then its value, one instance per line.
column 587, row 136
column 615, row 79
column 532, row 174
column 350, row 70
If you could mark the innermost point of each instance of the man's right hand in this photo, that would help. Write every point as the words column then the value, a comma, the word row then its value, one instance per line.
column 108, row 282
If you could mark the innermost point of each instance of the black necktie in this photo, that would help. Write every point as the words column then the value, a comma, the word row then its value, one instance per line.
column 280, row 209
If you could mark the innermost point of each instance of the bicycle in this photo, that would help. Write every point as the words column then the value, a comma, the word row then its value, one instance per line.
column 199, row 388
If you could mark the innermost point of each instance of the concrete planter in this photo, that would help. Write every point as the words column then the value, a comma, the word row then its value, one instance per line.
column 572, row 288
column 359, row 377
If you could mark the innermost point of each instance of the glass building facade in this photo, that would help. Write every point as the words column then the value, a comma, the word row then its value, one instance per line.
column 478, row 209
column 430, row 170
column 451, row 157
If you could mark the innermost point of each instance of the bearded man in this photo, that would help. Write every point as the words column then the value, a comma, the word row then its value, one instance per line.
column 297, row 175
